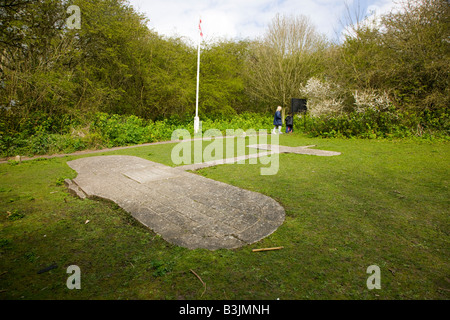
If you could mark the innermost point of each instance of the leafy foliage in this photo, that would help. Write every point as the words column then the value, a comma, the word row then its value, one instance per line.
column 114, row 130
column 116, row 82
column 407, row 55
column 372, row 124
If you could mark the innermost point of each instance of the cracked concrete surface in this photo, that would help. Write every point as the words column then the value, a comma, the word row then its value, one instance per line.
column 184, row 208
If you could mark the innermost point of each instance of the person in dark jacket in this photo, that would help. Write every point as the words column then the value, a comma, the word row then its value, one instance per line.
column 289, row 123
column 277, row 121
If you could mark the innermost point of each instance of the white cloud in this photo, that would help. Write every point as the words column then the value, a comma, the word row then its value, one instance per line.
column 239, row 18
column 372, row 13
column 381, row 7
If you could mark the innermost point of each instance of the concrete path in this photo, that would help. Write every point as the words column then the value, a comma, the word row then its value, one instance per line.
column 196, row 166
column 83, row 152
column 297, row 150
column 184, row 208
column 271, row 149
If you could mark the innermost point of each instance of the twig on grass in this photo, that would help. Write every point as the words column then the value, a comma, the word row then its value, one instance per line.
column 204, row 284
column 267, row 249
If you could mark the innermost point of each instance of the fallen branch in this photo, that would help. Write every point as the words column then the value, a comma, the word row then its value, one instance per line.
column 204, row 284
column 51, row 267
column 267, row 249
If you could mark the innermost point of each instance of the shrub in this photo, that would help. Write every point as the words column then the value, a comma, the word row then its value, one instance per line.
column 119, row 130
column 370, row 124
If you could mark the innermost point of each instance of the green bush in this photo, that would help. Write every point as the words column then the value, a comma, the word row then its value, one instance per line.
column 118, row 130
column 375, row 124
column 114, row 130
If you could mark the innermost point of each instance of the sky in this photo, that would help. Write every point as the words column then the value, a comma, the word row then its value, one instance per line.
column 247, row 19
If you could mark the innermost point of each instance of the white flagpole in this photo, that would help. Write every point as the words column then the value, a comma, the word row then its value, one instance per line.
column 196, row 119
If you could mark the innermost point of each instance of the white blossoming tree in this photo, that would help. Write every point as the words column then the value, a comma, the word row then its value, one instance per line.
column 371, row 100
column 323, row 97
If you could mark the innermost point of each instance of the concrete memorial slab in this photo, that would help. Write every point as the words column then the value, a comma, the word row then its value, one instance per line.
column 184, row 208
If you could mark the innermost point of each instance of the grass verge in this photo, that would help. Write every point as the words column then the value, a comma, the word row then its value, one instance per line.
column 380, row 203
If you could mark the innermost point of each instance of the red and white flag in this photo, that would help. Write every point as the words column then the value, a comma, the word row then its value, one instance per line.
column 200, row 28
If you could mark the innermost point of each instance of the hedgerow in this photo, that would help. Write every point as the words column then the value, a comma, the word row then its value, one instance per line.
column 106, row 131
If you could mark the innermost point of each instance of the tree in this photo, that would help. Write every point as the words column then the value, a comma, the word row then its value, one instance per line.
column 416, row 50
column 407, row 55
column 32, row 51
column 290, row 52
column 110, row 60
column 222, row 88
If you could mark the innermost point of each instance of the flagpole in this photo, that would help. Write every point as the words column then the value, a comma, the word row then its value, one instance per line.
column 197, row 119
column 198, row 78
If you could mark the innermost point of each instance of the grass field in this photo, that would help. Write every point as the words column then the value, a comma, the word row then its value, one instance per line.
column 380, row 202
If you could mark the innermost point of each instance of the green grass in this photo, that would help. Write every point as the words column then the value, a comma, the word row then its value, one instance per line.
column 381, row 202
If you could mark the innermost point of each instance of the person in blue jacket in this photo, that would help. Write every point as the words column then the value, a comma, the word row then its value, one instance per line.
column 277, row 121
